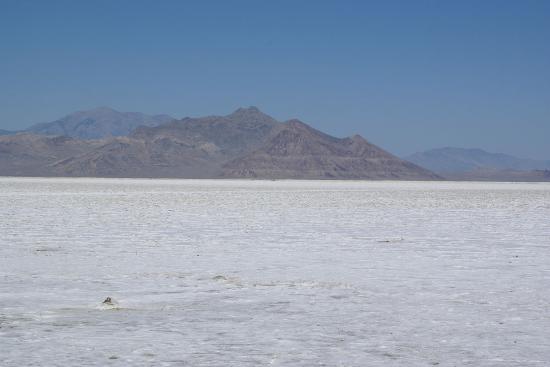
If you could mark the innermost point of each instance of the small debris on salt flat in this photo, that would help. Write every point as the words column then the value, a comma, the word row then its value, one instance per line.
column 390, row 240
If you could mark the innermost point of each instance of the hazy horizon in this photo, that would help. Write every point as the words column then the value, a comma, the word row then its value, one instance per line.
column 408, row 77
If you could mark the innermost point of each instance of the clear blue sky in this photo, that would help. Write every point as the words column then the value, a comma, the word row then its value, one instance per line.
column 407, row 75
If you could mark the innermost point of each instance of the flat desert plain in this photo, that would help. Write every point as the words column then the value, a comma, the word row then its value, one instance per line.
column 283, row 273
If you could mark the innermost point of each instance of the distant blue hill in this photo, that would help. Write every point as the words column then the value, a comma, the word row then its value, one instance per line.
column 457, row 160
column 6, row 132
column 98, row 123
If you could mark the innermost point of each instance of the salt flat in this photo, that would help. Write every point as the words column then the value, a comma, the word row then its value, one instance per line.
column 284, row 273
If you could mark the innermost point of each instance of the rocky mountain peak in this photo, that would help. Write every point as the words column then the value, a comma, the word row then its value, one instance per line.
column 250, row 109
column 251, row 117
column 247, row 111
column 358, row 138
column 295, row 123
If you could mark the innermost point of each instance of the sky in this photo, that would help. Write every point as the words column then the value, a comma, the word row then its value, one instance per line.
column 406, row 75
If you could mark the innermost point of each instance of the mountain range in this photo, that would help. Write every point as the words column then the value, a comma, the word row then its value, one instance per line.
column 244, row 144
column 477, row 164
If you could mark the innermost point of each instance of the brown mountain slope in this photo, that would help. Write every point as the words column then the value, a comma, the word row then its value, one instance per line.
column 298, row 151
column 34, row 155
column 129, row 157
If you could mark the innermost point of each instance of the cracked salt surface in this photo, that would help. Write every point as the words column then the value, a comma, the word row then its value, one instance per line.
column 287, row 273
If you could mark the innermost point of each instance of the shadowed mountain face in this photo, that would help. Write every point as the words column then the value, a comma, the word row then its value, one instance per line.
column 299, row 151
column 244, row 144
column 6, row 132
column 455, row 160
column 98, row 123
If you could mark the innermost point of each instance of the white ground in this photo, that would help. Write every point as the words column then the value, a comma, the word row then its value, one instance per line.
column 248, row 273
